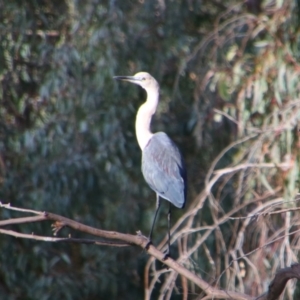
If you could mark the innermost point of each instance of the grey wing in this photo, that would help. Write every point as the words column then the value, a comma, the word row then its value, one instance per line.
column 163, row 169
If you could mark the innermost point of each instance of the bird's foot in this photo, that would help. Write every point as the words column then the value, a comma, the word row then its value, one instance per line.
column 148, row 244
column 166, row 255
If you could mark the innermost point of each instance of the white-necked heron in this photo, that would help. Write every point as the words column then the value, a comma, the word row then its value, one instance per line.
column 162, row 164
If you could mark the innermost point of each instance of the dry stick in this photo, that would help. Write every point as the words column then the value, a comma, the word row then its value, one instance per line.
column 168, row 285
column 240, row 236
column 278, row 283
column 184, row 286
column 209, row 184
column 283, row 165
column 167, row 291
column 185, row 231
column 287, row 246
column 31, row 211
column 237, row 271
column 222, row 153
column 21, row 220
column 150, row 262
column 181, row 245
column 264, row 214
column 138, row 240
column 275, row 288
column 56, row 239
column 44, row 216
column 222, row 220
column 148, row 288
column 183, row 258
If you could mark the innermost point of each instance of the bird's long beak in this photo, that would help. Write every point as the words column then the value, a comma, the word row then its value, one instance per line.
column 127, row 78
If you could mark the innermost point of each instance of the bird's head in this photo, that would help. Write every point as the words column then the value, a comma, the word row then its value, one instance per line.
column 144, row 79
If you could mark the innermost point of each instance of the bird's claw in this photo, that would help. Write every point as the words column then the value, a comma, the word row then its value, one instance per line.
column 166, row 256
column 148, row 244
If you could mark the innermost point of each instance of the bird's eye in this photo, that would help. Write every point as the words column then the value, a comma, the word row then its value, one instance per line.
column 144, row 78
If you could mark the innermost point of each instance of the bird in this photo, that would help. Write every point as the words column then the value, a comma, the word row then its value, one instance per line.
column 163, row 166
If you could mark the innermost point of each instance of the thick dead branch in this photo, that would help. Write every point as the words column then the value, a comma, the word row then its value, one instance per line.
column 211, row 292
column 137, row 240
column 278, row 284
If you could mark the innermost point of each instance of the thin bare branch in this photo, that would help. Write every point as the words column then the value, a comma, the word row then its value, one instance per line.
column 64, row 240
column 22, row 220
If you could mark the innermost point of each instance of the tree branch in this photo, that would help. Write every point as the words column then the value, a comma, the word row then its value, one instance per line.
column 21, row 220
column 56, row 239
column 277, row 285
column 122, row 239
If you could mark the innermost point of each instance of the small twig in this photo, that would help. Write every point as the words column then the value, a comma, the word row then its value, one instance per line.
column 56, row 239
column 22, row 220
column 8, row 206
column 264, row 214
column 284, row 165
column 225, row 115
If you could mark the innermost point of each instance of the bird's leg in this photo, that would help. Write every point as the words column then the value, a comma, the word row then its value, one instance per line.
column 168, row 253
column 156, row 212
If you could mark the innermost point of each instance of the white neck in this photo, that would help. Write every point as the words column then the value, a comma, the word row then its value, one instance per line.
column 144, row 116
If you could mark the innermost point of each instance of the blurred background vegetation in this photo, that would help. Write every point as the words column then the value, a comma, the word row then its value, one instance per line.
column 228, row 71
